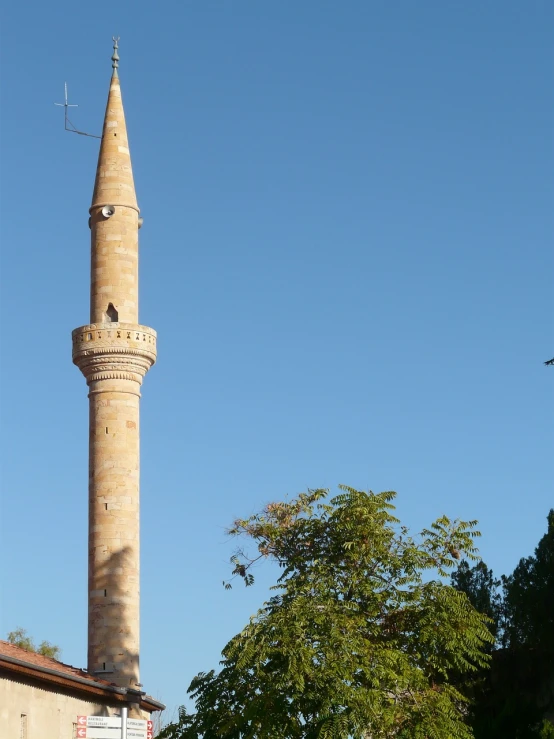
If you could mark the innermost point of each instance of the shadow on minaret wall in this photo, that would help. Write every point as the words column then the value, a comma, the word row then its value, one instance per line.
column 113, row 635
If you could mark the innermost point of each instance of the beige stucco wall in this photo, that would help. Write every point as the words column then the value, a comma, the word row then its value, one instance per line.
column 50, row 714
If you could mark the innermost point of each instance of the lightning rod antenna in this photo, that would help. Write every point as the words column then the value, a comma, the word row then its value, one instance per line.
column 65, row 105
column 68, row 125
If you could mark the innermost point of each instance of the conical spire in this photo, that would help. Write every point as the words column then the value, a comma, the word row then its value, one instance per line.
column 114, row 183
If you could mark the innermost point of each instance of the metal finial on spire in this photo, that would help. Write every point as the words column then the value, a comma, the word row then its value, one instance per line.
column 115, row 56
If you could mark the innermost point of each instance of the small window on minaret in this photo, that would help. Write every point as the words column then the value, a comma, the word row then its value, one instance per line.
column 111, row 314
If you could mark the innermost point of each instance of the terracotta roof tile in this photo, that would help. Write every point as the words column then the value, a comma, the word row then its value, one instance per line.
column 32, row 658
column 32, row 663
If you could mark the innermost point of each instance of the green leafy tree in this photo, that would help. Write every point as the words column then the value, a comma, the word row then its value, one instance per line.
column 177, row 729
column 21, row 639
column 360, row 637
column 546, row 730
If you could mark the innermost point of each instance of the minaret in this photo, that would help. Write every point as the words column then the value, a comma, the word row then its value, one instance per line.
column 114, row 353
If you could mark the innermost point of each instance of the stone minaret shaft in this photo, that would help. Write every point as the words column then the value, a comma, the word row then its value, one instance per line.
column 114, row 353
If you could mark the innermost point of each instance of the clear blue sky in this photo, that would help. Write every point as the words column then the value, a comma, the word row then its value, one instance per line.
column 347, row 254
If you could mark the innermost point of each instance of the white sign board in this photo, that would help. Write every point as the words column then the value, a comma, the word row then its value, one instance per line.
column 109, row 727
column 101, row 722
column 98, row 732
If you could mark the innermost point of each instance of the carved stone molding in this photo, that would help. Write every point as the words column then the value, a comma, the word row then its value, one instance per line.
column 112, row 351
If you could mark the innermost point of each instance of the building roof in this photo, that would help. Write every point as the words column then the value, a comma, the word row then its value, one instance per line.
column 19, row 662
column 39, row 660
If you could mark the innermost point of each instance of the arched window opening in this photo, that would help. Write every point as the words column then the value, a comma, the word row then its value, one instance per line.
column 111, row 314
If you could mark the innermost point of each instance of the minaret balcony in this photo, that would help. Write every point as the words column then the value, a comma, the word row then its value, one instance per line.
column 112, row 351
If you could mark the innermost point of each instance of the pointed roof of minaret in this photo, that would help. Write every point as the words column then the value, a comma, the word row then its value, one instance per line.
column 114, row 183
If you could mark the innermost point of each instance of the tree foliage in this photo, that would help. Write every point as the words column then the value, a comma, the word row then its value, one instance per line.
column 514, row 696
column 483, row 590
column 360, row 636
column 20, row 638
column 529, row 597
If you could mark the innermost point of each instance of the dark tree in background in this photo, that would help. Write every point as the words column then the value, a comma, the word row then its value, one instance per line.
column 529, row 598
column 483, row 591
column 515, row 697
